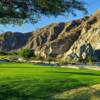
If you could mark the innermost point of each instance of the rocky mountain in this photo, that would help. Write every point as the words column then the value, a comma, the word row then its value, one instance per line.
column 13, row 41
column 74, row 39
column 88, row 42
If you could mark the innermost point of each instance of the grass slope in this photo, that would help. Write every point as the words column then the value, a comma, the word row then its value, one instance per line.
column 33, row 82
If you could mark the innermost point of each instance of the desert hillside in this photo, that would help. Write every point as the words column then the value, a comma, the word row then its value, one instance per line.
column 74, row 39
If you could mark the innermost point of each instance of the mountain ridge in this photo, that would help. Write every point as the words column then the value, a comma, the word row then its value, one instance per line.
column 58, row 40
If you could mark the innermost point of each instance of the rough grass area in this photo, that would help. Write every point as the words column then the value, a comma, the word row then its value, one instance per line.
column 34, row 82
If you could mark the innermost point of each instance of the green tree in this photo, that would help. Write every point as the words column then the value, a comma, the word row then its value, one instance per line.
column 21, row 11
column 3, row 53
column 27, row 53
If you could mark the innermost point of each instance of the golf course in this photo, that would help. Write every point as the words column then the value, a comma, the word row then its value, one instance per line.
column 19, row 81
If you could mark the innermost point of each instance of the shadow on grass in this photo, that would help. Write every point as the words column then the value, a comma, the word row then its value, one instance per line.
column 12, row 94
column 8, row 93
column 78, row 73
column 36, row 91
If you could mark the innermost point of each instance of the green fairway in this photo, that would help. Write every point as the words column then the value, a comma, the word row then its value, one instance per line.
column 34, row 82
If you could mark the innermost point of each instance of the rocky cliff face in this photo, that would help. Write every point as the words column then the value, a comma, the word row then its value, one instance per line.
column 59, row 40
column 89, row 39
column 54, row 39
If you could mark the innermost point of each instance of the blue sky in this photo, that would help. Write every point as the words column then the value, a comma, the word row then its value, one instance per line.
column 92, row 6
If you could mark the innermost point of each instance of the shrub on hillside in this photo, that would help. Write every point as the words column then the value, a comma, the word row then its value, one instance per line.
column 3, row 53
column 27, row 53
column 89, row 60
